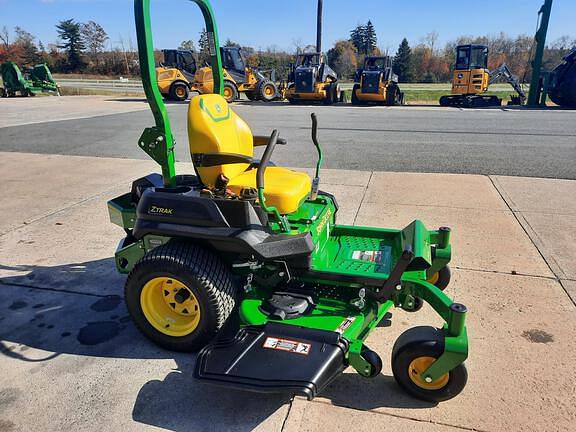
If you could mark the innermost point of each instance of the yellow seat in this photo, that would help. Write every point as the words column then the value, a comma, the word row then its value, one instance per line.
column 213, row 128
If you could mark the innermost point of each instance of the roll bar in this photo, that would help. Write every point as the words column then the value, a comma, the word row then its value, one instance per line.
column 158, row 141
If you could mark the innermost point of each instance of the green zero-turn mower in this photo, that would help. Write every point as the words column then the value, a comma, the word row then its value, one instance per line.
column 247, row 238
column 37, row 80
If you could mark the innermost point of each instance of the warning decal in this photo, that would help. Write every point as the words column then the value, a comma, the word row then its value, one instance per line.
column 344, row 325
column 287, row 345
column 370, row 256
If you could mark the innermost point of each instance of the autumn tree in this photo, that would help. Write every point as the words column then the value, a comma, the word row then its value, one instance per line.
column 342, row 58
column 26, row 42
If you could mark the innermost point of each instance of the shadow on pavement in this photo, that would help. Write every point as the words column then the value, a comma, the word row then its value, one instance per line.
column 70, row 309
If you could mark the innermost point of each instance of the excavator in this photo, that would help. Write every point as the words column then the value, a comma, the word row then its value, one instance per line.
column 472, row 79
column 375, row 82
column 239, row 78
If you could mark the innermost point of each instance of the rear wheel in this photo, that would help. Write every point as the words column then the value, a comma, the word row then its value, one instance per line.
column 355, row 100
column 230, row 91
column 178, row 92
column 329, row 98
column 414, row 351
column 179, row 296
column 267, row 90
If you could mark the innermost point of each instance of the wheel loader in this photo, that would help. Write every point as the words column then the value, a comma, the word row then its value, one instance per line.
column 175, row 76
column 312, row 80
column 375, row 82
column 239, row 78
column 472, row 78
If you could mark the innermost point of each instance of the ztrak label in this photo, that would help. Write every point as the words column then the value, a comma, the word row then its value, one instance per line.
column 287, row 345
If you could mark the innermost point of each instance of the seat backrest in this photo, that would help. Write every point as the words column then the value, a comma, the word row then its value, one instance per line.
column 214, row 128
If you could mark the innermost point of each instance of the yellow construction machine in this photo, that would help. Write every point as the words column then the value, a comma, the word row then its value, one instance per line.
column 375, row 82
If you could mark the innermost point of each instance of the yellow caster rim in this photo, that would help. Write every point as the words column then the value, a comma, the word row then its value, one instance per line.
column 417, row 368
column 180, row 92
column 269, row 90
column 170, row 306
column 434, row 278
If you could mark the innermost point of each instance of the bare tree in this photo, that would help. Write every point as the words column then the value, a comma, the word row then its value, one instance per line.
column 430, row 39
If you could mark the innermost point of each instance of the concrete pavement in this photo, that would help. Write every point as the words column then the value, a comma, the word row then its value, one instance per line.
column 76, row 362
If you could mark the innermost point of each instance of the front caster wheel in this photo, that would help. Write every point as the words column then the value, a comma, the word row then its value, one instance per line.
column 179, row 296
column 414, row 351
column 373, row 359
column 441, row 278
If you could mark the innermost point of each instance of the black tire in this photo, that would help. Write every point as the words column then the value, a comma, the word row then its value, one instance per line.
column 267, row 91
column 3, row 93
column 232, row 90
column 354, row 99
column 294, row 101
column 329, row 98
column 204, row 275
column 179, row 92
column 421, row 342
column 374, row 360
column 444, row 101
column 251, row 95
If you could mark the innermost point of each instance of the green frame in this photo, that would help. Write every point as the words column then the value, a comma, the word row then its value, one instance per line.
column 158, row 141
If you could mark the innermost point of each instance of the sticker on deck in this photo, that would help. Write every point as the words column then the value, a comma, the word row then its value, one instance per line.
column 287, row 345
column 344, row 325
column 370, row 256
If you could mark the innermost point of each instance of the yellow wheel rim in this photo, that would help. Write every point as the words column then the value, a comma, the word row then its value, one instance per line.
column 180, row 92
column 227, row 93
column 417, row 368
column 170, row 306
column 434, row 278
column 269, row 90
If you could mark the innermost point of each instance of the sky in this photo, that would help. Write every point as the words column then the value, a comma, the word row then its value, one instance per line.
column 283, row 24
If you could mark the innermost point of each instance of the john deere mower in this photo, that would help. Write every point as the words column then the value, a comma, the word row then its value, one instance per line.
column 246, row 238
column 312, row 80
column 36, row 80
column 472, row 79
column 239, row 78
column 376, row 83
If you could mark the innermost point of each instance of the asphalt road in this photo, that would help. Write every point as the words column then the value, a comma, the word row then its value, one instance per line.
column 502, row 141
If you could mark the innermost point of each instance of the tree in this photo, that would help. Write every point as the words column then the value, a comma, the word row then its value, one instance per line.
column 357, row 37
column 403, row 66
column 187, row 45
column 343, row 59
column 370, row 40
column 94, row 37
column 25, row 41
column 230, row 43
column 69, row 32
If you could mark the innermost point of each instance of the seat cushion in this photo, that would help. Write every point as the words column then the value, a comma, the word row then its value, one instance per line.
column 283, row 188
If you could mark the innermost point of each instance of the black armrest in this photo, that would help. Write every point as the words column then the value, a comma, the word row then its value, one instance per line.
column 214, row 159
column 260, row 140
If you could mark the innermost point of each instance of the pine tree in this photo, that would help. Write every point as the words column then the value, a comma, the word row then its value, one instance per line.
column 403, row 63
column 25, row 41
column 357, row 37
column 69, row 32
column 203, row 47
column 370, row 40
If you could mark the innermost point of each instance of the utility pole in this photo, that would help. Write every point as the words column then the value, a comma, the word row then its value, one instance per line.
column 540, row 41
column 319, row 27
